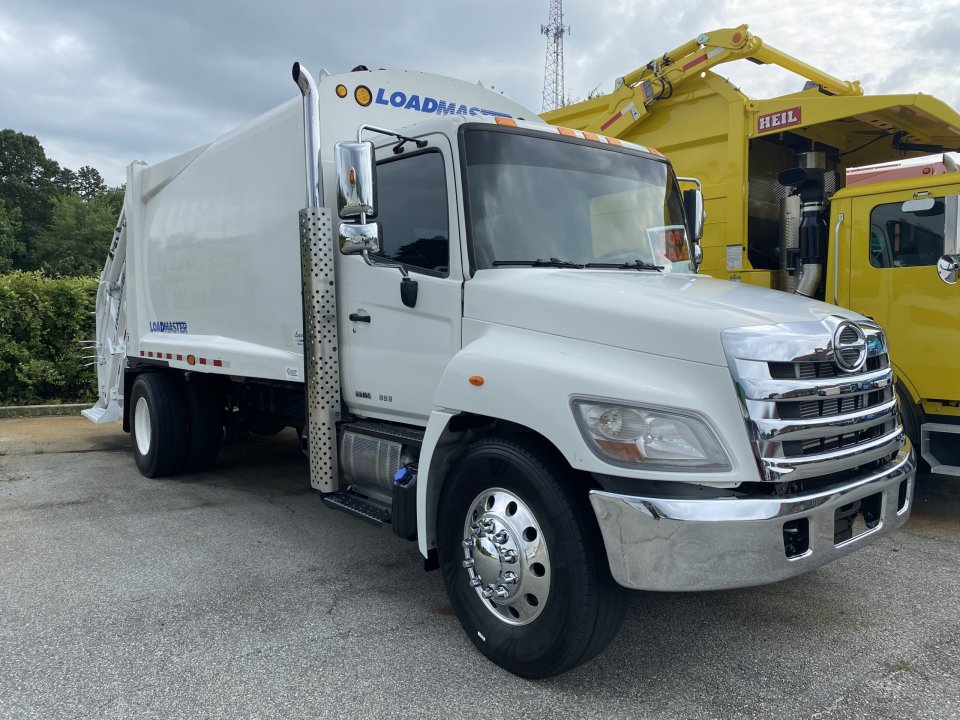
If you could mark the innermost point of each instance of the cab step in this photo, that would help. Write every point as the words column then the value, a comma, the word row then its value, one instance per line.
column 358, row 506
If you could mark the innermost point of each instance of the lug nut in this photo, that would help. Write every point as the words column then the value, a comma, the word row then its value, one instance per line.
column 469, row 542
column 475, row 581
column 475, row 529
column 489, row 526
column 511, row 578
column 487, row 592
column 468, row 563
column 500, row 538
column 510, row 556
column 501, row 592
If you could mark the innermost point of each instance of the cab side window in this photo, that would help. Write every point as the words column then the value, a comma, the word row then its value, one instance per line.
column 900, row 238
column 413, row 213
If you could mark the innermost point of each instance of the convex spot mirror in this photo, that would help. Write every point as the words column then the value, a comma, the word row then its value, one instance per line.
column 356, row 179
column 355, row 239
column 948, row 267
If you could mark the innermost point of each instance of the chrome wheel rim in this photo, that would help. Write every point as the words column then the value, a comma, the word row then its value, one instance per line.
column 505, row 556
column 142, row 428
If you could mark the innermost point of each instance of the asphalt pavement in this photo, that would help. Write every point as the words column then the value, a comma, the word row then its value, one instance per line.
column 237, row 593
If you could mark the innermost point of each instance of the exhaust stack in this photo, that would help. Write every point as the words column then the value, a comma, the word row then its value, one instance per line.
column 311, row 132
column 807, row 181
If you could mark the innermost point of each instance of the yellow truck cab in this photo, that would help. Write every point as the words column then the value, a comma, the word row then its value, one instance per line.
column 888, row 249
column 888, row 246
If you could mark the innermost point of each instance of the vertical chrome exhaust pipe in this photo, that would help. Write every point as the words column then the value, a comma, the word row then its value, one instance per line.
column 311, row 132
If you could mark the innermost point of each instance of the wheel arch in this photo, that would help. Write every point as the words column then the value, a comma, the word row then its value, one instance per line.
column 447, row 436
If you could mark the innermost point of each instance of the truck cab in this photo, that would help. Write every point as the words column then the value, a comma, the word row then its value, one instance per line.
column 895, row 258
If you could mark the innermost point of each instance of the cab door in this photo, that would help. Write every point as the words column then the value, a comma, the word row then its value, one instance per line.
column 897, row 240
column 392, row 355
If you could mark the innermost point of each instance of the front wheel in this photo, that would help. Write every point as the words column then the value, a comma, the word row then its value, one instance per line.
column 912, row 418
column 523, row 560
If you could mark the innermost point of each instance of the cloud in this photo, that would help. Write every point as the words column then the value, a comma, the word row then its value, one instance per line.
column 104, row 82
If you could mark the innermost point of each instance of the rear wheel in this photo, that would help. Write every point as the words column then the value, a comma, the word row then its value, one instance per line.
column 523, row 560
column 158, row 424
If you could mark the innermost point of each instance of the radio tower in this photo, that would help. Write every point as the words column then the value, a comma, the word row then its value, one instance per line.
column 553, row 95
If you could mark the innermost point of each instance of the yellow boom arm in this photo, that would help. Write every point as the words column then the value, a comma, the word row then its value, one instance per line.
column 636, row 91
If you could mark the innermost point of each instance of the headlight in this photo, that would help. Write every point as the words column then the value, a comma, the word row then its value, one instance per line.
column 650, row 437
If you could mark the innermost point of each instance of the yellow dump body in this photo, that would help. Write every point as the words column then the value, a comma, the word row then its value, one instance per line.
column 736, row 145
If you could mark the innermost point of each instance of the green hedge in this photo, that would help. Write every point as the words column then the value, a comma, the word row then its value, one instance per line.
column 41, row 321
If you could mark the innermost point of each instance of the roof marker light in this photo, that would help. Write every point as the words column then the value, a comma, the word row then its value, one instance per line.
column 362, row 95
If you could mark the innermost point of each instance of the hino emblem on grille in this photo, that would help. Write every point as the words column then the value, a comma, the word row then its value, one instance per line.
column 849, row 347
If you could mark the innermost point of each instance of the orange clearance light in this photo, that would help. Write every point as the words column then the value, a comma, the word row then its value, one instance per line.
column 362, row 95
column 341, row 91
column 509, row 122
column 352, row 176
column 191, row 359
column 476, row 380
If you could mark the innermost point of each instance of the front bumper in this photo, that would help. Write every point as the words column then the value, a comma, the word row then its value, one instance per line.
column 656, row 543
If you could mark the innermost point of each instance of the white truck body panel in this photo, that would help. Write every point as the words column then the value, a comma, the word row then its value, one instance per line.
column 214, row 267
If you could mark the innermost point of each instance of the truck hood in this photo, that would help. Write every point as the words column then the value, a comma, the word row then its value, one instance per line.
column 676, row 316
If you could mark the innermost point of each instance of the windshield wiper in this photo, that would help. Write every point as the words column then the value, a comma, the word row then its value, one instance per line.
column 539, row 262
column 634, row 265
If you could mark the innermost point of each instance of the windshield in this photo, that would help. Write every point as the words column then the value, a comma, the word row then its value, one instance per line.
column 547, row 201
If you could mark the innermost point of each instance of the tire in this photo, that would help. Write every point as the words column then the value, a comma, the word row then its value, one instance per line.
column 158, row 424
column 912, row 418
column 562, row 607
column 205, row 422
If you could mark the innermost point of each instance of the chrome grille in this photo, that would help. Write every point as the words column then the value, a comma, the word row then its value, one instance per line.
column 807, row 416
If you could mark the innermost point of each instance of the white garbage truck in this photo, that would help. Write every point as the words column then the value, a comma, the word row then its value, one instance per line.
column 490, row 334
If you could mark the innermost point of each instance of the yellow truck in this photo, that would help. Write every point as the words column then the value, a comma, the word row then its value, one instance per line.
column 816, row 192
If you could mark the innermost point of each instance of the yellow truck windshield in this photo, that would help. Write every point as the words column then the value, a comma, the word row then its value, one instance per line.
column 537, row 197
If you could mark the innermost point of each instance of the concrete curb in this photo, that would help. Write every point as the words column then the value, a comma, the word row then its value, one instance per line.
column 21, row 411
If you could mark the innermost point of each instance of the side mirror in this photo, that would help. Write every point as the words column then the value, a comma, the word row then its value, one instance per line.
column 358, row 239
column 693, row 210
column 356, row 179
column 948, row 267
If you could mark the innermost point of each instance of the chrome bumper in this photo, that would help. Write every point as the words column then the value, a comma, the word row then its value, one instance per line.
column 682, row 544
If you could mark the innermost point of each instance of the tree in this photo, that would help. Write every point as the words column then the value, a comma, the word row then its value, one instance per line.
column 9, row 245
column 28, row 182
column 85, row 182
column 90, row 183
column 79, row 234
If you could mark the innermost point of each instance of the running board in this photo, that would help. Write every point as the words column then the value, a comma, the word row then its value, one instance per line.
column 940, row 446
column 358, row 506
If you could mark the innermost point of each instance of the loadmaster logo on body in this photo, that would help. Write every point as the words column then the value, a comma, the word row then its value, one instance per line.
column 419, row 103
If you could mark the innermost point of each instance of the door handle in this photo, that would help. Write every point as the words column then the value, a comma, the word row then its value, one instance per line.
column 357, row 317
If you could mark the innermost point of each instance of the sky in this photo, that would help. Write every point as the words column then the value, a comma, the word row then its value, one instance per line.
column 105, row 82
